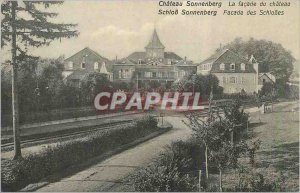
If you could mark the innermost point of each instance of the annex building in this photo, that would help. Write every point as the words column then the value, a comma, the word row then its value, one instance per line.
column 234, row 72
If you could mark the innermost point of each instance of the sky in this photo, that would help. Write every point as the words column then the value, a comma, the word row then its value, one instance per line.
column 118, row 28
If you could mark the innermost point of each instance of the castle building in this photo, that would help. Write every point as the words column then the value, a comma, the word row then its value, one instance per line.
column 153, row 64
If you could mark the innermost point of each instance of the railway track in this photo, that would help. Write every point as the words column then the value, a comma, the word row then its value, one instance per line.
column 63, row 136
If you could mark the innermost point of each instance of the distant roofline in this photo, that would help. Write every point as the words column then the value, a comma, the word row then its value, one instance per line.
column 94, row 52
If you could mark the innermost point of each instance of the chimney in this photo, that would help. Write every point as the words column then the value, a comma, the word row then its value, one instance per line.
column 185, row 58
column 116, row 58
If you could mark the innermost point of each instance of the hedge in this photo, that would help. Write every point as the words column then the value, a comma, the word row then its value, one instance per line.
column 19, row 173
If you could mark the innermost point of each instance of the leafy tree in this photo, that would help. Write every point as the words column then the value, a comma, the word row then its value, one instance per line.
column 217, row 136
column 92, row 84
column 125, row 86
column 272, row 57
column 50, row 86
column 235, row 114
column 30, row 25
column 199, row 83
column 267, row 90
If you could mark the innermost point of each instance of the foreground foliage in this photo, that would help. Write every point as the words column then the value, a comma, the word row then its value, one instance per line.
column 174, row 170
column 18, row 173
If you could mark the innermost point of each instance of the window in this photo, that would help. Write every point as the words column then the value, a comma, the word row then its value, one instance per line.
column 181, row 73
column 222, row 66
column 148, row 74
column 139, row 61
column 120, row 73
column 159, row 74
column 243, row 80
column 169, row 62
column 232, row 80
column 224, row 80
column 153, row 74
column 125, row 73
column 232, row 66
column 70, row 65
column 83, row 65
column 243, row 67
column 96, row 65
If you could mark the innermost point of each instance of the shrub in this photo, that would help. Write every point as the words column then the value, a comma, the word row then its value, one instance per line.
column 252, row 181
column 19, row 173
column 175, row 169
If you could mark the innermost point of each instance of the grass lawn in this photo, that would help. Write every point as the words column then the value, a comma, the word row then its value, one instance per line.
column 279, row 149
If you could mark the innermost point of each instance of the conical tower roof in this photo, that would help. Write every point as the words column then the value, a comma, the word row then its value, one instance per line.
column 155, row 42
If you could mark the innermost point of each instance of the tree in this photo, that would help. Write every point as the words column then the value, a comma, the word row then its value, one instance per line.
column 272, row 57
column 34, row 30
column 199, row 83
column 92, row 84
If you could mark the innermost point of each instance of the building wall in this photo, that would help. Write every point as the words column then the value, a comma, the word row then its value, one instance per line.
column 235, row 82
column 159, row 73
column 204, row 68
column 123, row 72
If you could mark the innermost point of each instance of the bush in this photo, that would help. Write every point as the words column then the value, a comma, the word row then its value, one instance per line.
column 251, row 181
column 175, row 169
column 19, row 173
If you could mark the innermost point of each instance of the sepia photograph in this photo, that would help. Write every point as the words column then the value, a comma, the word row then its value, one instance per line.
column 150, row 95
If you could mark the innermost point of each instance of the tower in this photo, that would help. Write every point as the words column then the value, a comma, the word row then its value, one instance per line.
column 155, row 49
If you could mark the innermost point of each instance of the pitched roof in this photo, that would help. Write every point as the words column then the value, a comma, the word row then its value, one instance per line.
column 269, row 75
column 213, row 57
column 155, row 42
column 123, row 61
column 172, row 55
column 185, row 63
column 135, row 56
column 228, row 57
column 84, row 52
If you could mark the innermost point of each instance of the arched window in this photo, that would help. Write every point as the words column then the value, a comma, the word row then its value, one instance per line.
column 96, row 65
column 243, row 67
column 70, row 65
column 222, row 66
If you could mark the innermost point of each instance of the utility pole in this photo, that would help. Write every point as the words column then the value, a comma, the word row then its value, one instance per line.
column 137, row 82
column 209, row 121
column 14, row 88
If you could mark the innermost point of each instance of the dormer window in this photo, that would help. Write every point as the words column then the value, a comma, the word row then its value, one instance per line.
column 243, row 67
column 232, row 66
column 222, row 66
column 169, row 62
column 83, row 65
column 96, row 65
column 139, row 61
column 70, row 65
